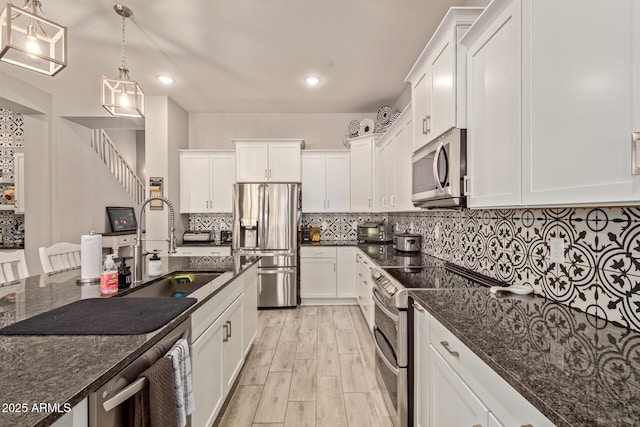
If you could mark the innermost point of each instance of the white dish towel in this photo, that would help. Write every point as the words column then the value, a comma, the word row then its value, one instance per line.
column 183, row 382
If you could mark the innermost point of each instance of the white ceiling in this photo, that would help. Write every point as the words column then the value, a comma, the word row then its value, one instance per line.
column 240, row 56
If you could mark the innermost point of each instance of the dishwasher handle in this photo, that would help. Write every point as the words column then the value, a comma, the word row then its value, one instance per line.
column 138, row 385
column 125, row 394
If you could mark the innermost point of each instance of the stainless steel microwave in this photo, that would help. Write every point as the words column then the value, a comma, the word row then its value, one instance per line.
column 438, row 170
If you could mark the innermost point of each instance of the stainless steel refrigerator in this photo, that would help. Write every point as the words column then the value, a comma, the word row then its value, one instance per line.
column 265, row 223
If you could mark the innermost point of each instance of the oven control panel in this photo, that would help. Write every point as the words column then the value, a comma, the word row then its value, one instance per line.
column 383, row 282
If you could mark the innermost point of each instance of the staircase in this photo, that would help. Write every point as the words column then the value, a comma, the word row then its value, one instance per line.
column 111, row 157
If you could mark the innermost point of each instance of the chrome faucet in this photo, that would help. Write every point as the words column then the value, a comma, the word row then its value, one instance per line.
column 137, row 249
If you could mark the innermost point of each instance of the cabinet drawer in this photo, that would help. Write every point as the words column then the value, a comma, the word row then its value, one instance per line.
column 505, row 402
column 318, row 252
column 444, row 342
column 203, row 317
column 203, row 251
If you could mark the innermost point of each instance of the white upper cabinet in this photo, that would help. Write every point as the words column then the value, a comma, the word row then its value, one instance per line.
column 206, row 181
column 438, row 79
column 494, row 129
column 394, row 165
column 325, row 181
column 553, row 93
column 261, row 160
column 362, row 172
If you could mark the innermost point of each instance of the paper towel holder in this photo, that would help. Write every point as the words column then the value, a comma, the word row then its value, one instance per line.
column 89, row 281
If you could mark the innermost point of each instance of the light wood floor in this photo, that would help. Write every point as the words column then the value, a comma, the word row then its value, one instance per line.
column 312, row 366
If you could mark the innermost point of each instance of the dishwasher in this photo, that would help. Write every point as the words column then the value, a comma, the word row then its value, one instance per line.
column 109, row 406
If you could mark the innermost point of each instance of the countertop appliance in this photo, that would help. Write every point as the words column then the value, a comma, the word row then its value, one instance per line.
column 438, row 171
column 225, row 237
column 198, row 236
column 374, row 232
column 392, row 332
column 265, row 224
column 107, row 408
column 407, row 242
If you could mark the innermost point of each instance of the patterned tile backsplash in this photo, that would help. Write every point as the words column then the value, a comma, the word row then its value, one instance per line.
column 600, row 274
column 11, row 136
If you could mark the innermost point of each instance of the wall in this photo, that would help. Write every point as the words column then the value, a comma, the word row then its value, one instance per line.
column 215, row 130
column 167, row 129
column 601, row 271
column 82, row 185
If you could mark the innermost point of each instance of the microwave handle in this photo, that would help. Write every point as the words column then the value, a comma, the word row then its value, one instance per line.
column 436, row 174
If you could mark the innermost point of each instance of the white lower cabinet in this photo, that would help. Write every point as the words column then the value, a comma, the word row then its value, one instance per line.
column 421, row 368
column 451, row 401
column 462, row 389
column 217, row 357
column 202, row 251
column 208, row 383
column 250, row 307
column 364, row 288
column 327, row 274
column 218, row 348
column 346, row 286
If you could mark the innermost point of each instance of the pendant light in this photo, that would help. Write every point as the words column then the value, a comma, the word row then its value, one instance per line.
column 31, row 41
column 122, row 96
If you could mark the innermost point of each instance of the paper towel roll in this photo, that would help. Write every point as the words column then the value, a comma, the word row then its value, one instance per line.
column 90, row 256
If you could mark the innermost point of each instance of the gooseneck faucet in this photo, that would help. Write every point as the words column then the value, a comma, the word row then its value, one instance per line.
column 137, row 249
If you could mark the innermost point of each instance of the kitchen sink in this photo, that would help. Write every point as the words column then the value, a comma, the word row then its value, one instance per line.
column 172, row 285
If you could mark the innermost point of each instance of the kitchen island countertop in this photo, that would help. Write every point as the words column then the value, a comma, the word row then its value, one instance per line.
column 58, row 369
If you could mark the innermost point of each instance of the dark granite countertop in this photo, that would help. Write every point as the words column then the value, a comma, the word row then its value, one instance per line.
column 576, row 369
column 60, row 369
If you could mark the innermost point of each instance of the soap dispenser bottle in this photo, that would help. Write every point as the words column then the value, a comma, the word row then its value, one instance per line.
column 155, row 265
column 124, row 275
column 109, row 277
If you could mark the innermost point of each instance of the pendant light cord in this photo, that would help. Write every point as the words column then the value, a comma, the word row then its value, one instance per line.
column 124, row 62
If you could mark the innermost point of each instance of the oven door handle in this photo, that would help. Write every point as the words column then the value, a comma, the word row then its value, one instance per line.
column 392, row 368
column 380, row 305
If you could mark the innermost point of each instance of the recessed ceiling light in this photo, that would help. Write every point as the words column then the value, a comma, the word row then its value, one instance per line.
column 312, row 80
column 165, row 79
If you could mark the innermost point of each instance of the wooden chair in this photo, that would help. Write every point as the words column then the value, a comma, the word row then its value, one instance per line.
column 12, row 263
column 59, row 257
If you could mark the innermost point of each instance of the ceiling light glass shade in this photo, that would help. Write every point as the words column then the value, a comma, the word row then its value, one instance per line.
column 31, row 41
column 122, row 96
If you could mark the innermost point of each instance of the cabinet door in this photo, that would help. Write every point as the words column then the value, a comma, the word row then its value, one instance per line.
column 494, row 111
column 421, row 104
column 233, row 350
column 361, row 162
column 317, row 277
column 194, row 182
column 493, row 421
column 252, row 162
column 208, row 382
column 346, row 286
column 313, row 183
column 577, row 113
column 284, row 162
column 403, row 141
column 18, row 174
column 421, row 367
column 223, row 171
column 382, row 176
column 451, row 401
column 443, row 95
column 250, row 307
column 337, row 183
